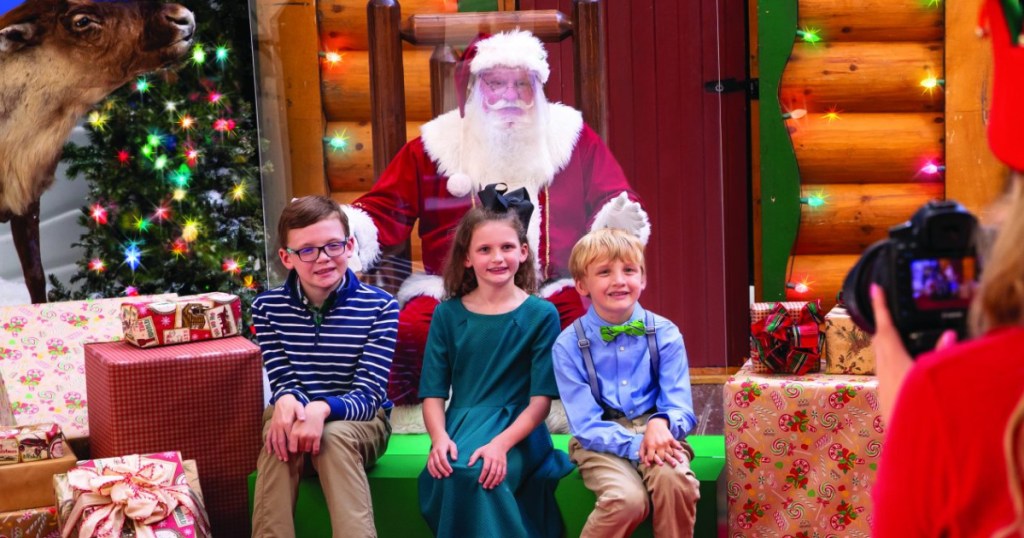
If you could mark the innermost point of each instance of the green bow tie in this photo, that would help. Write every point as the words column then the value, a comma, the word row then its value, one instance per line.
column 609, row 332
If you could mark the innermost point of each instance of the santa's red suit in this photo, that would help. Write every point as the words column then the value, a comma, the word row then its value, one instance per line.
column 572, row 178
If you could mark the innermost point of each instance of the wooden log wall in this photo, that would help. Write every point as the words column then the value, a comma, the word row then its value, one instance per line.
column 345, row 87
column 870, row 127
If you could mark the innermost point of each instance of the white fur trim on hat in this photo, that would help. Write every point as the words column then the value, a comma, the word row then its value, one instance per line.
column 362, row 228
column 459, row 185
column 512, row 49
column 420, row 284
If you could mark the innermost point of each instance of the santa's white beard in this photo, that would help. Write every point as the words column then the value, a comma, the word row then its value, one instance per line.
column 502, row 148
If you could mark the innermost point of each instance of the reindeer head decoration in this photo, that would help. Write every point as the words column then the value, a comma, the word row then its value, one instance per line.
column 58, row 58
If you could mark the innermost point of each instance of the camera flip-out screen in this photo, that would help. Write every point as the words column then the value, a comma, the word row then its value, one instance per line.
column 942, row 283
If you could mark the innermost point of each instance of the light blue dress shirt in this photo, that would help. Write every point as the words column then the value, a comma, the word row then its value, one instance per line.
column 624, row 375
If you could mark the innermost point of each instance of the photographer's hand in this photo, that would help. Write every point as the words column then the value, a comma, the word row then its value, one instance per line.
column 892, row 360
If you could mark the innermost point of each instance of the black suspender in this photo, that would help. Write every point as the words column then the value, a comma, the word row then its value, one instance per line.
column 588, row 361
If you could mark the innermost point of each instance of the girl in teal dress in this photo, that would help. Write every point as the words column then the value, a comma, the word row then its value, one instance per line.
column 492, row 470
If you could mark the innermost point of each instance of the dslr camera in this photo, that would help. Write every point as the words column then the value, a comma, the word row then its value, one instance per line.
column 928, row 268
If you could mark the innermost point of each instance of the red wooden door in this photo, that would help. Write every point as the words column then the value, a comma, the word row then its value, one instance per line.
column 686, row 150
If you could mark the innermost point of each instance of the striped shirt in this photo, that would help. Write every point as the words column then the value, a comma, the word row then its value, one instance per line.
column 343, row 358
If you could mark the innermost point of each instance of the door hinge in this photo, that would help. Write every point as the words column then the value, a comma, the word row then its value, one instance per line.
column 731, row 85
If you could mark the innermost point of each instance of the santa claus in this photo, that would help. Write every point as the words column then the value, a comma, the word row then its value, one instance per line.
column 505, row 131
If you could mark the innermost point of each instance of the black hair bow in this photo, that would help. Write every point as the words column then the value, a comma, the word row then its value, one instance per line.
column 496, row 197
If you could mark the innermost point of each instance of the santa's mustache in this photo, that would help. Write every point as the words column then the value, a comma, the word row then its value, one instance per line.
column 505, row 103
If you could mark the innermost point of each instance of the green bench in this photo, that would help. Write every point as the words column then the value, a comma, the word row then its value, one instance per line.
column 393, row 487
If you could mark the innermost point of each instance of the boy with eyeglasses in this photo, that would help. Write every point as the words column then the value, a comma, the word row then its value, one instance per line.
column 327, row 341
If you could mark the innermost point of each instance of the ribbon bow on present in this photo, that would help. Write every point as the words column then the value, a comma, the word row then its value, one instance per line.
column 786, row 346
column 128, row 489
column 635, row 328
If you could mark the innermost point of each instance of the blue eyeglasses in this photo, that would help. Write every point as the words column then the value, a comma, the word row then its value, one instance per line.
column 312, row 254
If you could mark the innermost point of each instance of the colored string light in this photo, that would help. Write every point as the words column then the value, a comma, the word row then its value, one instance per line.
column 332, row 58
column 339, row 141
column 178, row 195
column 142, row 85
column 190, row 231
column 198, row 55
column 249, row 282
column 97, row 266
column 179, row 247
column 132, row 256
column 931, row 168
column 238, row 192
column 224, row 125
column 795, row 114
column 161, row 213
column 131, row 291
column 98, row 214
column 809, row 35
column 231, row 266
column 815, row 200
column 832, row 114
column 98, row 120
column 221, row 54
column 930, row 83
column 187, row 122
column 123, row 156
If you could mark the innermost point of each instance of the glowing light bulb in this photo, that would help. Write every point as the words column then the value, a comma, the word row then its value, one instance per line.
column 179, row 247
column 160, row 163
column 930, row 83
column 132, row 256
column 795, row 114
column 215, row 97
column 238, row 192
column 131, row 291
column 142, row 85
column 231, row 266
column 98, row 214
column 97, row 266
column 161, row 213
column 198, row 55
column 249, row 282
column 190, row 231
column 339, row 141
column 332, row 58
column 931, row 168
column 178, row 195
column 123, row 156
column 816, row 199
column 141, row 224
column 802, row 287
column 221, row 54
column 809, row 35
column 98, row 120
column 187, row 122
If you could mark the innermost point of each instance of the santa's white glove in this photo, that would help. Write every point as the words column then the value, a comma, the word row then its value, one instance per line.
column 621, row 212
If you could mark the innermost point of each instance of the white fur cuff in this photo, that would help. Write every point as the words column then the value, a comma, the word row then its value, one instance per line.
column 553, row 287
column 420, row 284
column 362, row 228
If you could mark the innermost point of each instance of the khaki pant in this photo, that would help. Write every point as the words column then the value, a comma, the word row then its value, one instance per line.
column 347, row 449
column 625, row 491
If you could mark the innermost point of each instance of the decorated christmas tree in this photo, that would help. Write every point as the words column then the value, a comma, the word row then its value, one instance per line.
column 174, row 176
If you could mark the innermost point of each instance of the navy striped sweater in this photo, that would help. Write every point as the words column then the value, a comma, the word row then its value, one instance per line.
column 343, row 360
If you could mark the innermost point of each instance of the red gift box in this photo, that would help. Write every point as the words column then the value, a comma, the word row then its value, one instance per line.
column 203, row 399
column 180, row 320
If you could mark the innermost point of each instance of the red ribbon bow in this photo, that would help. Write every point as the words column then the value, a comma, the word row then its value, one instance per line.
column 129, row 490
column 786, row 346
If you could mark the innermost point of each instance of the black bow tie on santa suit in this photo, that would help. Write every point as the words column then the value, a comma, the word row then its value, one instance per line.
column 497, row 198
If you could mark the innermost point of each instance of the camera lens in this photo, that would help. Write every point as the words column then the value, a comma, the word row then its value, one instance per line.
column 857, row 285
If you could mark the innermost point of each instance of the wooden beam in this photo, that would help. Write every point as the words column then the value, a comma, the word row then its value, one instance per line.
column 973, row 175
column 290, row 77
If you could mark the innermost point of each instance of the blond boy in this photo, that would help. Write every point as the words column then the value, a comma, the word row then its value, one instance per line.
column 623, row 377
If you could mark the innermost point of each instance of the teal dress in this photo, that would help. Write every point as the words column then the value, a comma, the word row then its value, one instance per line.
column 493, row 365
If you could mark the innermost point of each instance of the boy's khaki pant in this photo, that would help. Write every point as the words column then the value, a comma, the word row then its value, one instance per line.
column 347, row 449
column 625, row 491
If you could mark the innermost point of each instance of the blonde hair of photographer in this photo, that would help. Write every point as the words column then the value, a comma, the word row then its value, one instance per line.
column 1000, row 302
column 1000, row 298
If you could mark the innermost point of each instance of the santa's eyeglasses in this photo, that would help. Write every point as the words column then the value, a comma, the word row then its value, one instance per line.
column 500, row 84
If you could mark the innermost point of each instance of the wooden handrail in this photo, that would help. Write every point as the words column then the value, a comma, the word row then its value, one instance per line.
column 459, row 29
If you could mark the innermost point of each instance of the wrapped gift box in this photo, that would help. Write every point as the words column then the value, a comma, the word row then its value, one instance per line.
column 153, row 475
column 32, row 522
column 184, row 319
column 204, row 399
column 847, row 348
column 28, row 485
column 794, row 311
column 802, row 453
column 42, row 372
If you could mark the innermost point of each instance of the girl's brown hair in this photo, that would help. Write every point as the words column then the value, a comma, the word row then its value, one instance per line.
column 459, row 279
column 1000, row 298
